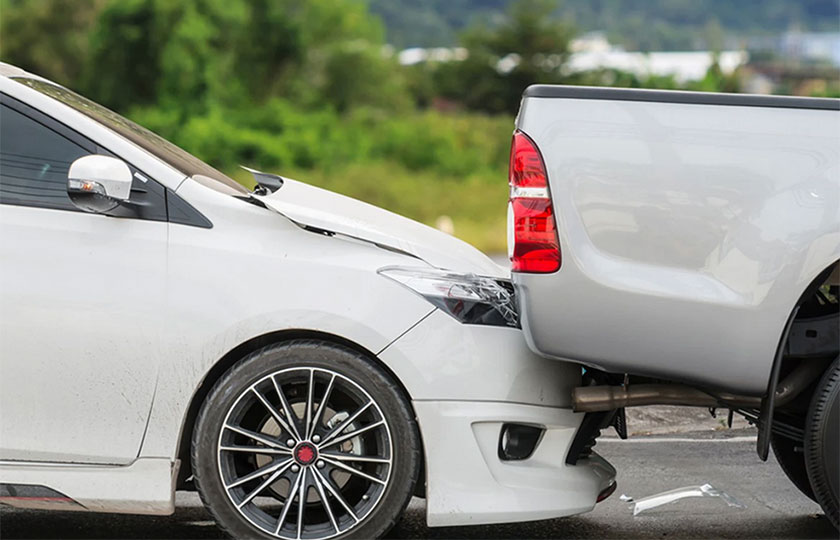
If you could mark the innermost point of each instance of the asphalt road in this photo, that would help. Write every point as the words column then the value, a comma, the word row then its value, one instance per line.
column 646, row 465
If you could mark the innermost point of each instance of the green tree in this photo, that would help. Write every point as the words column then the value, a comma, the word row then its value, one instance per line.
column 48, row 38
column 529, row 47
column 194, row 56
column 179, row 55
column 269, row 48
column 345, row 61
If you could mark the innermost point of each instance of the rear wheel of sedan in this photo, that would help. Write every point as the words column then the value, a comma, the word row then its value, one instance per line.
column 306, row 439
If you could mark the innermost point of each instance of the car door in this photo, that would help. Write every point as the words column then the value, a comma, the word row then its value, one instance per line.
column 81, row 300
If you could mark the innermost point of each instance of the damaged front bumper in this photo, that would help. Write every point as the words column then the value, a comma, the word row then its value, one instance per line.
column 468, row 481
column 478, row 391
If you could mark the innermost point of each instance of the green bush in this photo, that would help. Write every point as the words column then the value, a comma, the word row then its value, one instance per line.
column 422, row 165
column 280, row 134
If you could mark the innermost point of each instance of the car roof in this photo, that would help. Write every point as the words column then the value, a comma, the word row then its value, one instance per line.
column 8, row 70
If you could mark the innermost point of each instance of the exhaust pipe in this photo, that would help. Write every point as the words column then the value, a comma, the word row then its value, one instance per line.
column 608, row 398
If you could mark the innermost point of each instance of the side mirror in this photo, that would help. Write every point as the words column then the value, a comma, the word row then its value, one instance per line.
column 98, row 183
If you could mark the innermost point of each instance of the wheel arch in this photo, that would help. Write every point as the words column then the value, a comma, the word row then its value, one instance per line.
column 829, row 275
column 786, row 359
column 221, row 366
column 826, row 275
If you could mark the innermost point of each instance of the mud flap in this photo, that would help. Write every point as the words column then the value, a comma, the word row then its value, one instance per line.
column 765, row 419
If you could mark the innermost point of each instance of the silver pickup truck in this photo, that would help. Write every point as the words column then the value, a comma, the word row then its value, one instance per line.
column 684, row 246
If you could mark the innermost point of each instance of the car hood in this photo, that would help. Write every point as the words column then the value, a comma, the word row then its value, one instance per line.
column 315, row 207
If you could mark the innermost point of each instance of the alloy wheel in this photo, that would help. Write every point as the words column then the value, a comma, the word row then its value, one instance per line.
column 305, row 453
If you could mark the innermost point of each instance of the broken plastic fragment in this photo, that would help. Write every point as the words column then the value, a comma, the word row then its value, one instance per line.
column 625, row 498
column 674, row 495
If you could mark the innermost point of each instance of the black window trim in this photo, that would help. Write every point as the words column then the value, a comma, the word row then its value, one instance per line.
column 195, row 218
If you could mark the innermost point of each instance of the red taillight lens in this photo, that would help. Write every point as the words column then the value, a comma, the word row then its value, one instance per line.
column 535, row 246
column 533, row 233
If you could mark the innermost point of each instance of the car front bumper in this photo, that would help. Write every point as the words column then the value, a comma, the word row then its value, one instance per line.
column 468, row 483
column 466, row 383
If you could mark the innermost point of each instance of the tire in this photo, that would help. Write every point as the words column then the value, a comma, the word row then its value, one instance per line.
column 252, row 448
column 792, row 463
column 822, row 443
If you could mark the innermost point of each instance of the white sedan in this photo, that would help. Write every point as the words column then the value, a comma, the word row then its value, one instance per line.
column 307, row 362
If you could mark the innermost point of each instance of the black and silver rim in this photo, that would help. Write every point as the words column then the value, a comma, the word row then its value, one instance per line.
column 305, row 453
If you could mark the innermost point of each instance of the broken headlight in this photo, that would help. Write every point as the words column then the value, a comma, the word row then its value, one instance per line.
column 468, row 298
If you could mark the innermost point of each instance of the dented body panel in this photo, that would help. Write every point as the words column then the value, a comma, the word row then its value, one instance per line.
column 330, row 211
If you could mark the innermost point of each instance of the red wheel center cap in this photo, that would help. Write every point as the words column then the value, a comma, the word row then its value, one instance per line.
column 305, row 453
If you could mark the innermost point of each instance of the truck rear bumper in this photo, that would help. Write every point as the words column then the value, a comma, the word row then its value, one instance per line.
column 468, row 483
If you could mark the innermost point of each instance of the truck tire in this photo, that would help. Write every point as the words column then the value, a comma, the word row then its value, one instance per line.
column 822, row 443
column 792, row 463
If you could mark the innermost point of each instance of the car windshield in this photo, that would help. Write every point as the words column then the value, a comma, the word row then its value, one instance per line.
column 142, row 137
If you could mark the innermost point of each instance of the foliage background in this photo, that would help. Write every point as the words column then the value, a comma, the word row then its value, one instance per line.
column 645, row 25
column 310, row 89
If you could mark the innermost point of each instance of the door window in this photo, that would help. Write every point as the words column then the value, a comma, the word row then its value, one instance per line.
column 34, row 161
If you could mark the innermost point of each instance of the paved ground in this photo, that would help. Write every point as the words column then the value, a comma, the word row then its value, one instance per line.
column 646, row 465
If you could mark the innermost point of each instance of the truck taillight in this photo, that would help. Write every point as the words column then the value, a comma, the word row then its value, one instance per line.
column 532, row 233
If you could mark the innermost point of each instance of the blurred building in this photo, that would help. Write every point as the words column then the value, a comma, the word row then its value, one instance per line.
column 798, row 63
column 417, row 55
column 683, row 66
column 592, row 51
column 798, row 46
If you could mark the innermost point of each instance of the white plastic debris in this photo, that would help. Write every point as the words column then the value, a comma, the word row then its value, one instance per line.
column 625, row 498
column 674, row 495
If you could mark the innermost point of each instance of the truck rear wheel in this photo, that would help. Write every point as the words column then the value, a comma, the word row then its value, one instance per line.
column 822, row 443
column 791, row 458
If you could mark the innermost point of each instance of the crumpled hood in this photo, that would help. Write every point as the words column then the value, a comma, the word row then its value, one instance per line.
column 322, row 209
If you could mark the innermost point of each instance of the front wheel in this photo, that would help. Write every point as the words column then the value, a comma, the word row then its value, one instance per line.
column 305, row 439
column 822, row 443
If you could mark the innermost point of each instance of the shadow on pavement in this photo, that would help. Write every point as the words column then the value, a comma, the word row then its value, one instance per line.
column 195, row 522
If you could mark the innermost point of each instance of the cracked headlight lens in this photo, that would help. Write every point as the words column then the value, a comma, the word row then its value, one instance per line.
column 469, row 298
